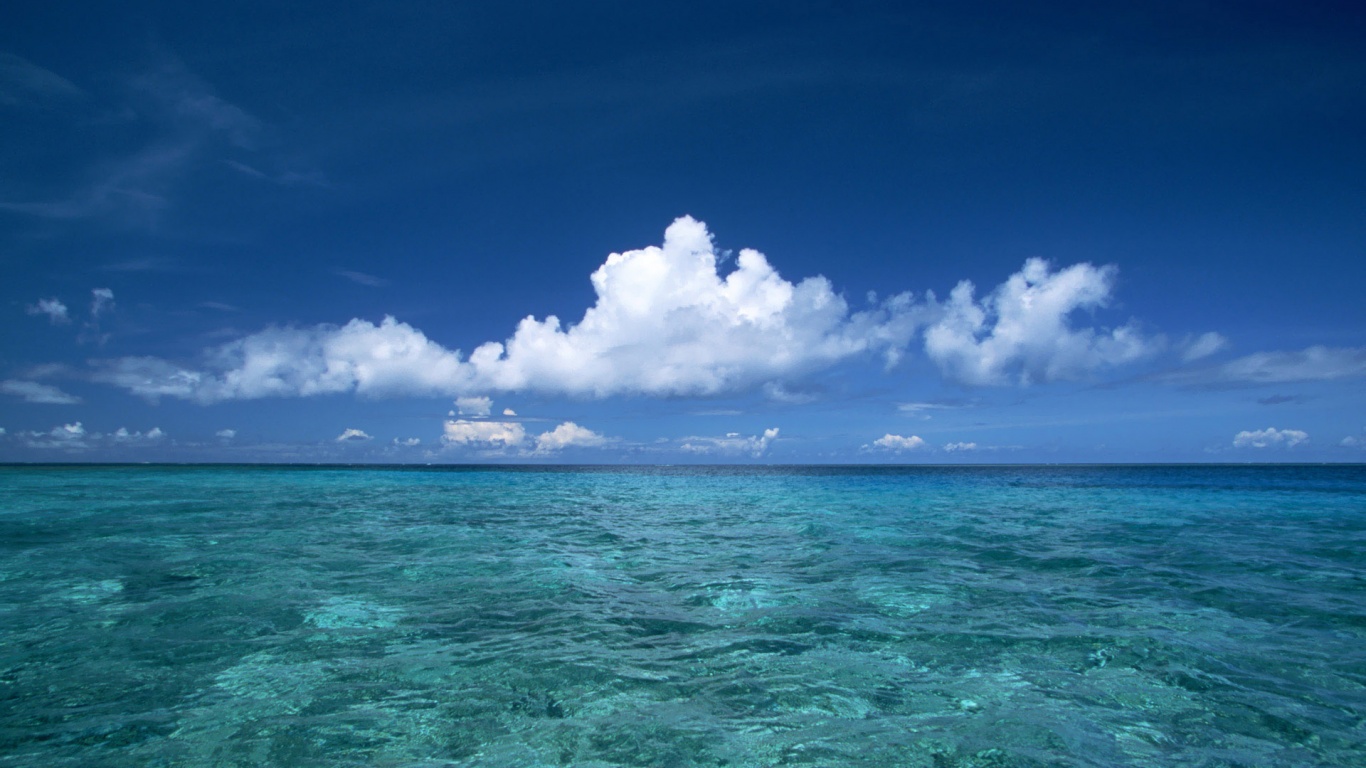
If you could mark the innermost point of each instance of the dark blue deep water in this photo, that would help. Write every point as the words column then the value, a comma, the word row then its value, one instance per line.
column 1004, row 616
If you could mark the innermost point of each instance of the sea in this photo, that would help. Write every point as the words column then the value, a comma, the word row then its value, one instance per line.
column 683, row 616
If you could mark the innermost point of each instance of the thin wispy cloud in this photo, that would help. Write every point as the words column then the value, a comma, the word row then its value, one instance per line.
column 361, row 278
column 37, row 392
column 1316, row 363
column 23, row 83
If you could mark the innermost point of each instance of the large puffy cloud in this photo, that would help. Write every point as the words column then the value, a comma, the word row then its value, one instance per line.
column 1022, row 330
column 1269, row 437
column 666, row 321
column 391, row 358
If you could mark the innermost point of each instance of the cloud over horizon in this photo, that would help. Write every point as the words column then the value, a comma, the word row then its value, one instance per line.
column 666, row 322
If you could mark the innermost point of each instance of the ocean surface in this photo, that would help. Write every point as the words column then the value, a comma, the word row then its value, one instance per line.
column 657, row 616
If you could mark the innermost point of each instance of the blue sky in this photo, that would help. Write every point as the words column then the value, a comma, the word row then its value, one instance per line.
column 765, row 232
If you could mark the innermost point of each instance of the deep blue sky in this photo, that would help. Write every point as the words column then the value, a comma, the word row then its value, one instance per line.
column 197, row 201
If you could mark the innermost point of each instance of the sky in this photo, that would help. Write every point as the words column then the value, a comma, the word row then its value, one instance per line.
column 610, row 232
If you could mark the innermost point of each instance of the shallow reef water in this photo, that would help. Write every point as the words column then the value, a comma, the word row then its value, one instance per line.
column 683, row 616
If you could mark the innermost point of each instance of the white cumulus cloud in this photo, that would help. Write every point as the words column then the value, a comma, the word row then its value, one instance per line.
column 568, row 435
column 1269, row 437
column 352, row 436
column 54, row 309
column 226, row 434
column 951, row 447
column 477, row 407
column 898, row 443
column 122, row 435
column 509, row 412
column 34, row 392
column 1022, row 330
column 668, row 320
column 408, row 443
column 500, row 434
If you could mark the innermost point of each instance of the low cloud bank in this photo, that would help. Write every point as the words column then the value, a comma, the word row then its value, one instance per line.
column 667, row 322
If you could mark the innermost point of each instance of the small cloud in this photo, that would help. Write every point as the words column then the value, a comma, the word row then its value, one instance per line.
column 226, row 434
column 53, row 308
column 477, row 407
column 1270, row 437
column 1202, row 346
column 732, row 443
column 410, row 442
column 780, row 394
column 70, row 436
column 361, row 278
column 102, row 301
column 122, row 435
column 33, row 392
column 352, row 436
column 898, row 443
column 501, row 434
column 509, row 412
column 1351, row 441
column 568, row 435
column 1279, row 399
column 951, row 447
column 220, row 306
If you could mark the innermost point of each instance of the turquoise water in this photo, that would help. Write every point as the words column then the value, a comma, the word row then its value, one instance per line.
column 1007, row 616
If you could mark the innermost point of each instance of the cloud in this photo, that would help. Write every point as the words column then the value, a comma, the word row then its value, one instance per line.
column 23, row 82
column 1280, row 399
column 226, row 434
column 360, row 278
column 952, row 447
column 74, row 437
column 667, row 322
column 1203, row 346
column 494, row 434
column 391, row 358
column 70, row 436
column 898, row 443
column 122, row 435
column 352, row 436
column 568, row 435
column 188, row 121
column 102, row 301
column 1270, row 437
column 1021, row 330
column 53, row 308
column 477, row 407
column 509, row 412
column 33, row 392
column 408, row 443
column 732, row 443
column 1317, row 363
